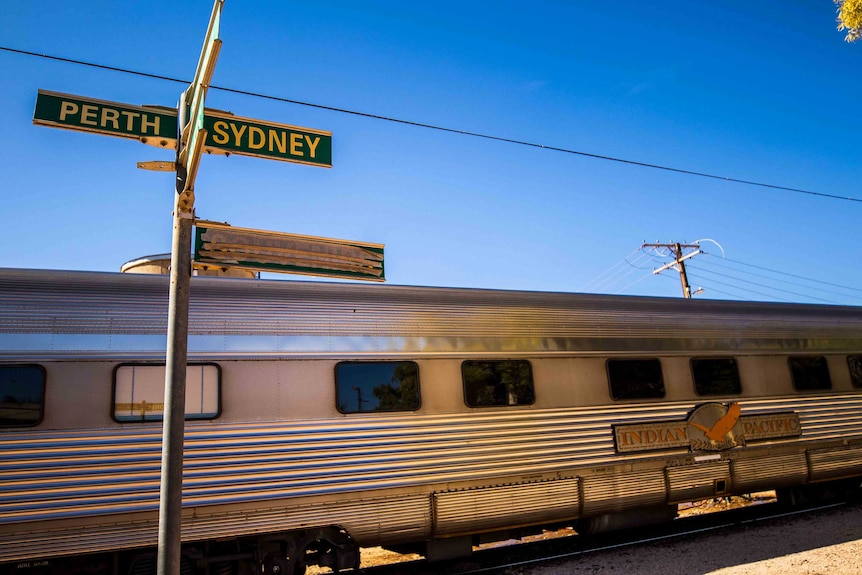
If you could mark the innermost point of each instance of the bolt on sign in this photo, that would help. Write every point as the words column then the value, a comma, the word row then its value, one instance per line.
column 226, row 134
column 223, row 245
column 710, row 426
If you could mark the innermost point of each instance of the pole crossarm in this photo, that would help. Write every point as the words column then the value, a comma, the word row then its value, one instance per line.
column 674, row 263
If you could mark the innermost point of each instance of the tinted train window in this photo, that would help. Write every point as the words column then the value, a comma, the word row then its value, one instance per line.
column 635, row 378
column 362, row 387
column 139, row 392
column 854, row 362
column 495, row 383
column 810, row 372
column 716, row 376
column 22, row 395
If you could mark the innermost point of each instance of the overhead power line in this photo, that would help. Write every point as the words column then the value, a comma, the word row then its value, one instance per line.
column 748, row 282
column 793, row 275
column 610, row 275
column 745, row 274
column 440, row 128
column 746, row 290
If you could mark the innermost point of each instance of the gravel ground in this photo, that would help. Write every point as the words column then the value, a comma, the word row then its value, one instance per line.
column 827, row 543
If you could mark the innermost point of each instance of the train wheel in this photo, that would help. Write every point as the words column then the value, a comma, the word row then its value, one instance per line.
column 299, row 564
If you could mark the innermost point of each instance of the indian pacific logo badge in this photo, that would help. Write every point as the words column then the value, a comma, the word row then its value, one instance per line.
column 715, row 427
column 709, row 427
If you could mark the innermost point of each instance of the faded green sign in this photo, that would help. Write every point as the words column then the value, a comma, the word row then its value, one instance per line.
column 224, row 245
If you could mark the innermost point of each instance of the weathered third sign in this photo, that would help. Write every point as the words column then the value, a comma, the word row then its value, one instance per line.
column 224, row 245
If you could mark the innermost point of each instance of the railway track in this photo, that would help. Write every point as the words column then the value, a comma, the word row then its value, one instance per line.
column 521, row 558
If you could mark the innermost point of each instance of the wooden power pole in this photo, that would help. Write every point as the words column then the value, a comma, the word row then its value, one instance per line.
column 679, row 262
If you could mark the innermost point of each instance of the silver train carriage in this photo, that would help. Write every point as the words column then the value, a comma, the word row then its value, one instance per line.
column 326, row 416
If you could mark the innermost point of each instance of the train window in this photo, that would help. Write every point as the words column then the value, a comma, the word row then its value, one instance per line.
column 635, row 378
column 495, row 383
column 810, row 372
column 854, row 362
column 22, row 395
column 375, row 386
column 716, row 376
column 139, row 392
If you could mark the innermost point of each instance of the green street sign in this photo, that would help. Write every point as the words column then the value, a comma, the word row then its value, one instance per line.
column 226, row 134
column 222, row 245
column 235, row 135
column 153, row 126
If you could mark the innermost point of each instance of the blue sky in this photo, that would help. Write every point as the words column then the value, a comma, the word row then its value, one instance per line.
column 743, row 90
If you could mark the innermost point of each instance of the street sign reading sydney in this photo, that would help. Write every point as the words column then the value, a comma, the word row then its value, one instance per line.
column 226, row 133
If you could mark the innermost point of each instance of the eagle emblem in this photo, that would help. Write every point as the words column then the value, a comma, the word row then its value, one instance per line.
column 716, row 427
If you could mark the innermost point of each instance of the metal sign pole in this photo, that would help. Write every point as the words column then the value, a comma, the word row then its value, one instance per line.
column 191, row 136
column 171, row 486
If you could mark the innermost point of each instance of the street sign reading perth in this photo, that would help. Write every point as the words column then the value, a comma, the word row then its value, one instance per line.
column 226, row 133
column 154, row 126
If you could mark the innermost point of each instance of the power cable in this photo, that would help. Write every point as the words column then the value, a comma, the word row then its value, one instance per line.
column 622, row 289
column 624, row 273
column 441, row 128
column 748, row 289
column 790, row 275
column 711, row 264
column 609, row 276
column 747, row 282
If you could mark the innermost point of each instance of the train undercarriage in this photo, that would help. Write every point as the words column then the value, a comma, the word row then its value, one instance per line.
column 290, row 552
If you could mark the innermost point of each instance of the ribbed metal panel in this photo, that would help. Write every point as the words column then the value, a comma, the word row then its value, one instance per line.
column 65, row 312
column 698, row 481
column 62, row 474
column 21, row 545
column 821, row 416
column 52, row 474
column 378, row 520
column 622, row 491
column 755, row 473
column 100, row 473
column 835, row 463
column 483, row 509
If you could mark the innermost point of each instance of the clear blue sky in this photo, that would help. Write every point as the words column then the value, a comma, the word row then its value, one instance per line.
column 759, row 91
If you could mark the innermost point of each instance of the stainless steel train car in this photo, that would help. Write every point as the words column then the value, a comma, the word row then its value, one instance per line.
column 326, row 416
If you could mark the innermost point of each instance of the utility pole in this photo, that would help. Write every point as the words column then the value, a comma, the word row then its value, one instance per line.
column 679, row 261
